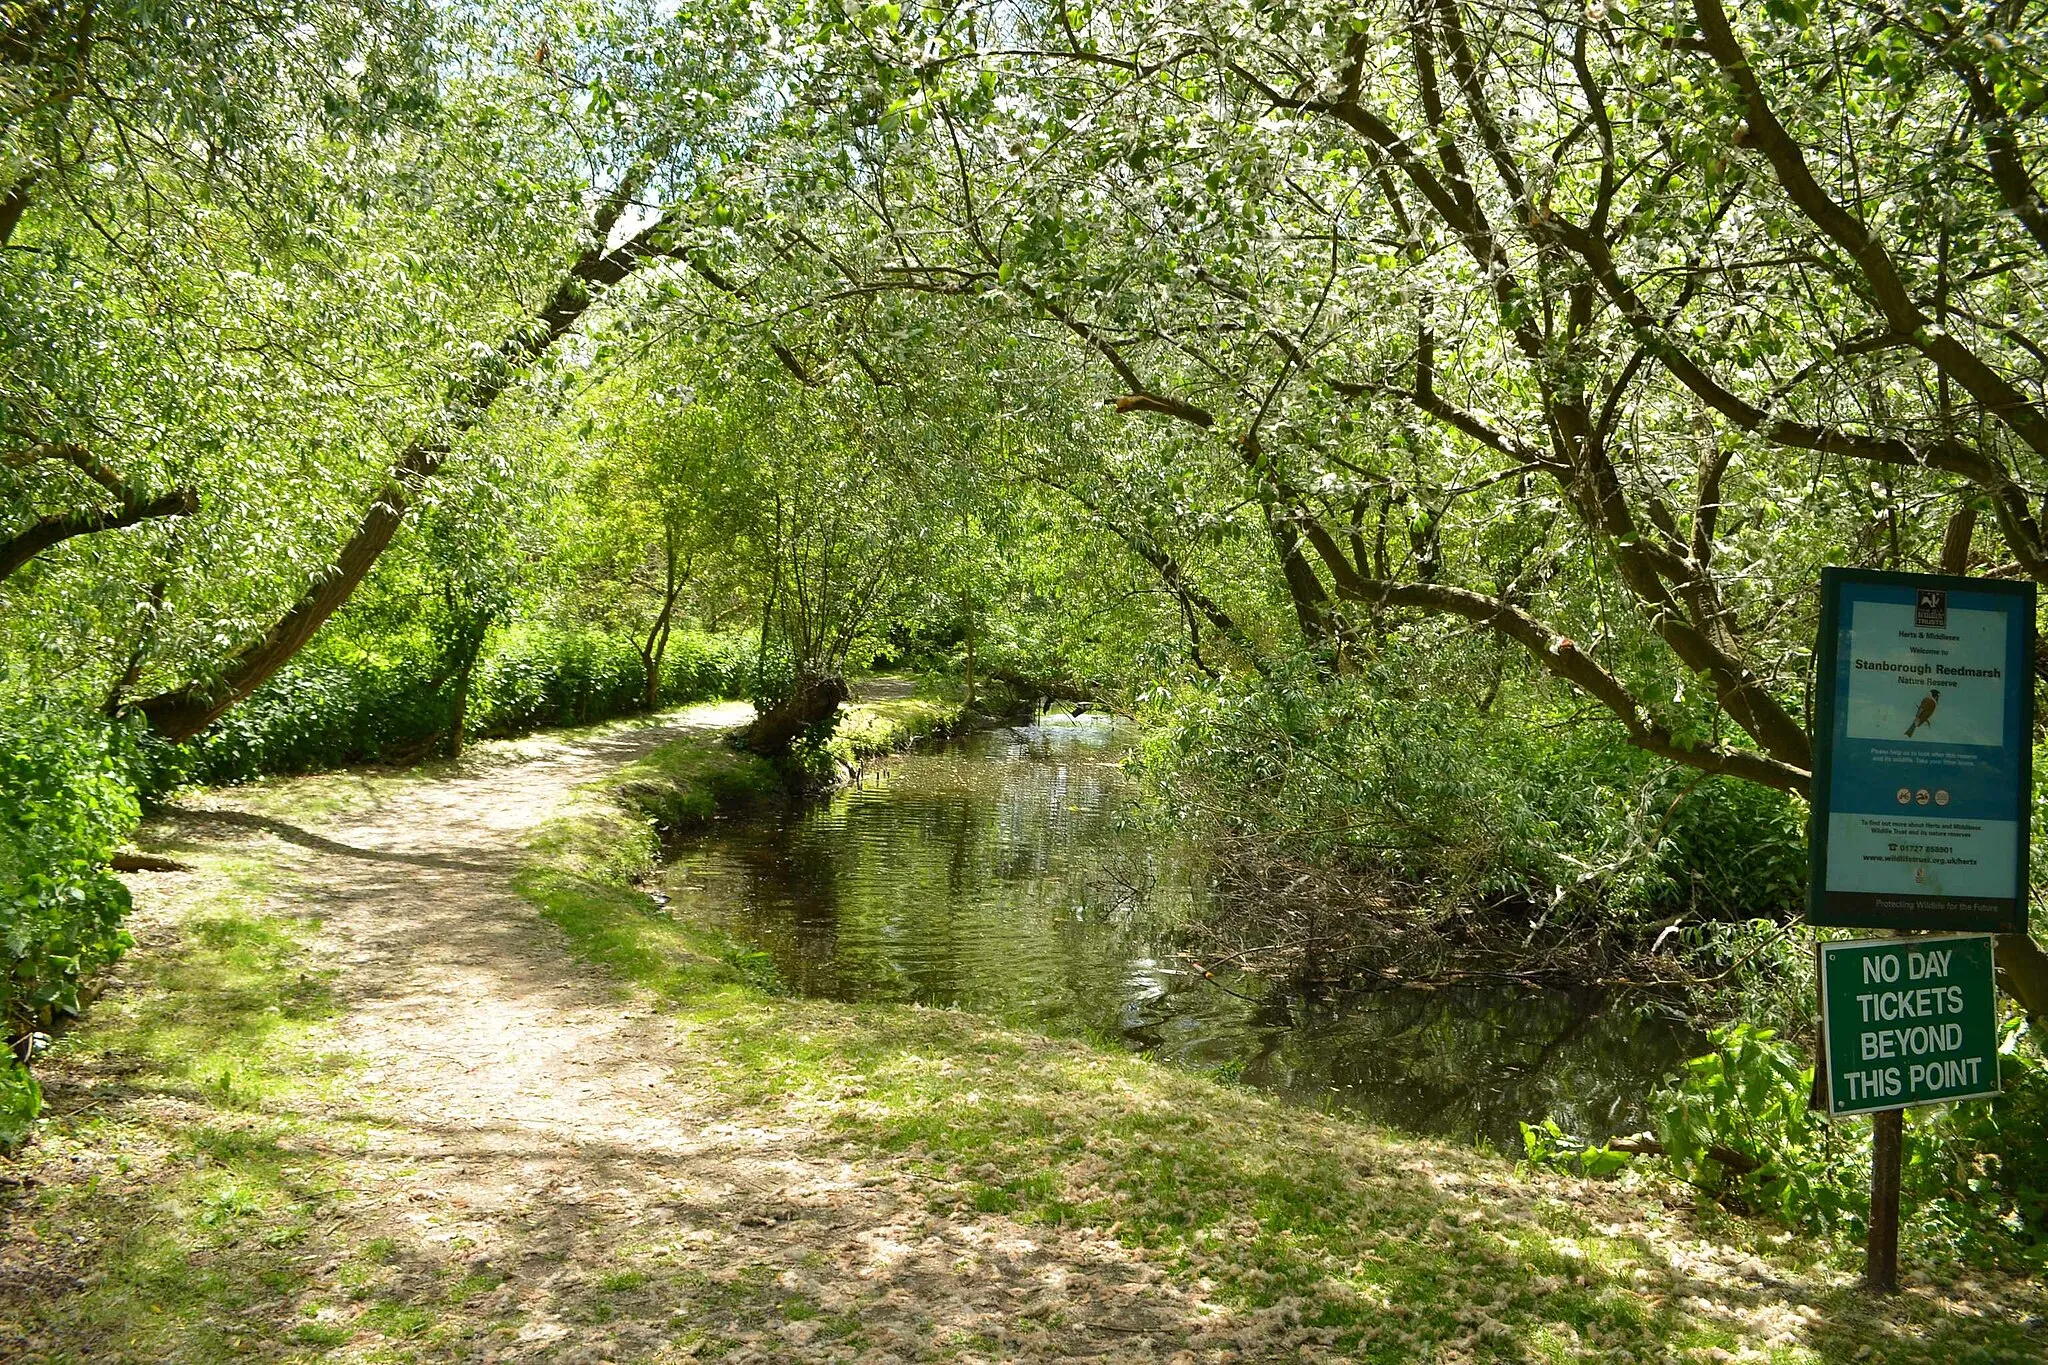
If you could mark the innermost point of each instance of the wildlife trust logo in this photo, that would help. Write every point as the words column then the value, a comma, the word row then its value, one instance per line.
column 1930, row 611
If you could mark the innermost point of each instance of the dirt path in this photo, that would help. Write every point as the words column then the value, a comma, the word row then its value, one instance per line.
column 538, row 1129
column 357, row 1101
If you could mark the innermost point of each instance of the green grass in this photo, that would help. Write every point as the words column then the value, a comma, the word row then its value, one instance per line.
column 181, row 1100
column 625, row 931
column 871, row 729
column 687, row 782
column 196, row 1203
column 1387, row 1248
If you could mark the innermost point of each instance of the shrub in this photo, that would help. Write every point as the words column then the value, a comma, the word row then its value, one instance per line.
column 1723, row 850
column 324, row 710
column 540, row 678
column 21, row 1099
column 338, row 704
column 65, row 805
column 1974, row 1182
column 537, row 678
column 1389, row 771
column 704, row 667
column 1976, row 1174
column 1736, row 1121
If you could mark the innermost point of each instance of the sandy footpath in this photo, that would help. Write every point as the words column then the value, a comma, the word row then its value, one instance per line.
column 533, row 1120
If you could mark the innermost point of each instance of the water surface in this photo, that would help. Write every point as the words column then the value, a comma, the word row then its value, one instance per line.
column 1001, row 873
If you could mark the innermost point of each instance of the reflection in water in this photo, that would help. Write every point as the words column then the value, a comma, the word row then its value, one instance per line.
column 995, row 874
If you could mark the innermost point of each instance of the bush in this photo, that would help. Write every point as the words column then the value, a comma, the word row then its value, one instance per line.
column 65, row 805
column 338, row 704
column 1974, row 1183
column 1723, row 850
column 707, row 667
column 1392, row 771
column 21, row 1099
column 540, row 678
column 322, row 711
column 547, row 678
column 1736, row 1122
column 1976, row 1174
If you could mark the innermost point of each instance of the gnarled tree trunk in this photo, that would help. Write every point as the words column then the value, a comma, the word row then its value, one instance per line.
column 813, row 700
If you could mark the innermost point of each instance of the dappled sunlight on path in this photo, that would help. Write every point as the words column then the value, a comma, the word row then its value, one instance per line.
column 531, row 1124
column 360, row 1102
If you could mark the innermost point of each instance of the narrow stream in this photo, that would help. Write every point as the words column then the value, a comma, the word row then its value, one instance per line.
column 995, row 874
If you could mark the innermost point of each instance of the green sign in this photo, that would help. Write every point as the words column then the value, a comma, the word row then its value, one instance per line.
column 1908, row 1021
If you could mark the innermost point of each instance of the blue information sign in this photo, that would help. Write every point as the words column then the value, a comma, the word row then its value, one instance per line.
column 1923, row 722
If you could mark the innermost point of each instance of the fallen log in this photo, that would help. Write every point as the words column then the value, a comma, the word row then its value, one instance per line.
column 146, row 862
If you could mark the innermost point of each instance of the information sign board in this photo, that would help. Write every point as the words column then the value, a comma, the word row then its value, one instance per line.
column 1908, row 1021
column 1923, row 711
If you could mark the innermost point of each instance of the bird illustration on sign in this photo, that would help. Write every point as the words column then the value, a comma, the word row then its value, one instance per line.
column 1926, row 711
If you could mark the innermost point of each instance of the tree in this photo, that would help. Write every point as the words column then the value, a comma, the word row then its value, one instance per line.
column 316, row 307
column 659, row 495
column 1491, row 310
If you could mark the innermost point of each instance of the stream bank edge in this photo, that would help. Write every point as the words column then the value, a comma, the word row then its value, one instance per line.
column 1303, row 1228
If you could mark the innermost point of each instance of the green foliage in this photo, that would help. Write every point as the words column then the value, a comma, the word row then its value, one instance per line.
column 543, row 678
column 322, row 711
column 65, row 804
column 1392, row 769
column 1546, row 1144
column 1976, row 1174
column 1974, row 1183
column 338, row 703
column 21, row 1099
column 1721, row 850
column 704, row 667
column 1736, row 1122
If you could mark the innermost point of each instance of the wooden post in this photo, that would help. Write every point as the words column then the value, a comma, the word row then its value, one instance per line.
column 1881, row 1256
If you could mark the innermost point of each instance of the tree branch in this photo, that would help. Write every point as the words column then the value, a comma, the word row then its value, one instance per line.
column 55, row 530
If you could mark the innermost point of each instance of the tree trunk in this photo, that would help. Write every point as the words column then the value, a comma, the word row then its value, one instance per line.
column 656, row 647
column 458, row 710
column 183, row 713
column 55, row 530
column 812, row 701
column 2023, row 972
column 651, row 691
column 179, row 715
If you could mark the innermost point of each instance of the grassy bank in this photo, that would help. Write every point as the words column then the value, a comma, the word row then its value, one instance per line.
column 612, row 830
column 286, row 1136
column 183, row 1193
column 1295, row 1231
column 869, row 731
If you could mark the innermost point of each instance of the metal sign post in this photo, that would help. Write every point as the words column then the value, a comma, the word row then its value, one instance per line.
column 1920, row 820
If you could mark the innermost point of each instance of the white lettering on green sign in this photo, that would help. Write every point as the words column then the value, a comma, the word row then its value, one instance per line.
column 1908, row 1021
